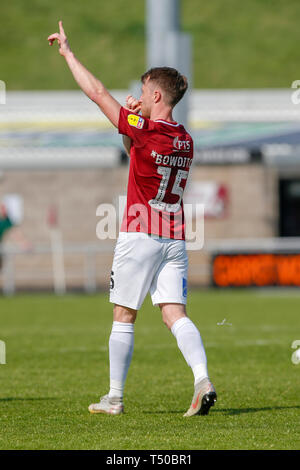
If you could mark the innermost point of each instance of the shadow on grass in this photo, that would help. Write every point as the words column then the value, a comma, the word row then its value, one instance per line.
column 230, row 411
column 238, row 411
column 27, row 399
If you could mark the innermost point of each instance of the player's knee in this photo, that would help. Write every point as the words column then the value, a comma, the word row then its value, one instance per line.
column 124, row 314
column 169, row 320
column 171, row 313
column 166, row 321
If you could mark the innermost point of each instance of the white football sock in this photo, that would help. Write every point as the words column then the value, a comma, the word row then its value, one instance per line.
column 121, row 343
column 190, row 344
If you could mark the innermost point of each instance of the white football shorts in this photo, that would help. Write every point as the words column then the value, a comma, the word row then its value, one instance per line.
column 144, row 263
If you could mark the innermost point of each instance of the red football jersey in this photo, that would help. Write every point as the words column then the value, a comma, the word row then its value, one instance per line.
column 160, row 158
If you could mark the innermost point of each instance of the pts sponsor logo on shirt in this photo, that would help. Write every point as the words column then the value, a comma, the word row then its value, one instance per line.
column 181, row 145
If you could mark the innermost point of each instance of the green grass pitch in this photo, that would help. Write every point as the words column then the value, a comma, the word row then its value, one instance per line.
column 57, row 364
column 256, row 46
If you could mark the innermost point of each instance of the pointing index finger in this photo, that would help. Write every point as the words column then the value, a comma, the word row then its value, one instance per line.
column 61, row 29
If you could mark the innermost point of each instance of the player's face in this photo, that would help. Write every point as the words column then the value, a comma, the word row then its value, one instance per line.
column 146, row 99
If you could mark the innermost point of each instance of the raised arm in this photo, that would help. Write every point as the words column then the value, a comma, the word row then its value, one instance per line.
column 89, row 84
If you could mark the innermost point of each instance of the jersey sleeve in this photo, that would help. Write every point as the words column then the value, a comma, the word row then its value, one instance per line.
column 133, row 125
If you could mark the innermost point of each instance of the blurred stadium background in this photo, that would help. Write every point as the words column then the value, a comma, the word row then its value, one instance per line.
column 60, row 158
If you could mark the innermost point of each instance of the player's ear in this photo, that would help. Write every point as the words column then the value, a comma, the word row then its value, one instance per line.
column 157, row 96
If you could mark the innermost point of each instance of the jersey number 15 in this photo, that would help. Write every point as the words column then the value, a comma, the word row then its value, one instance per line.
column 158, row 202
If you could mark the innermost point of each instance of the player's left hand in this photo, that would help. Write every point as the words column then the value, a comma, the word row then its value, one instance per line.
column 132, row 104
column 61, row 38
